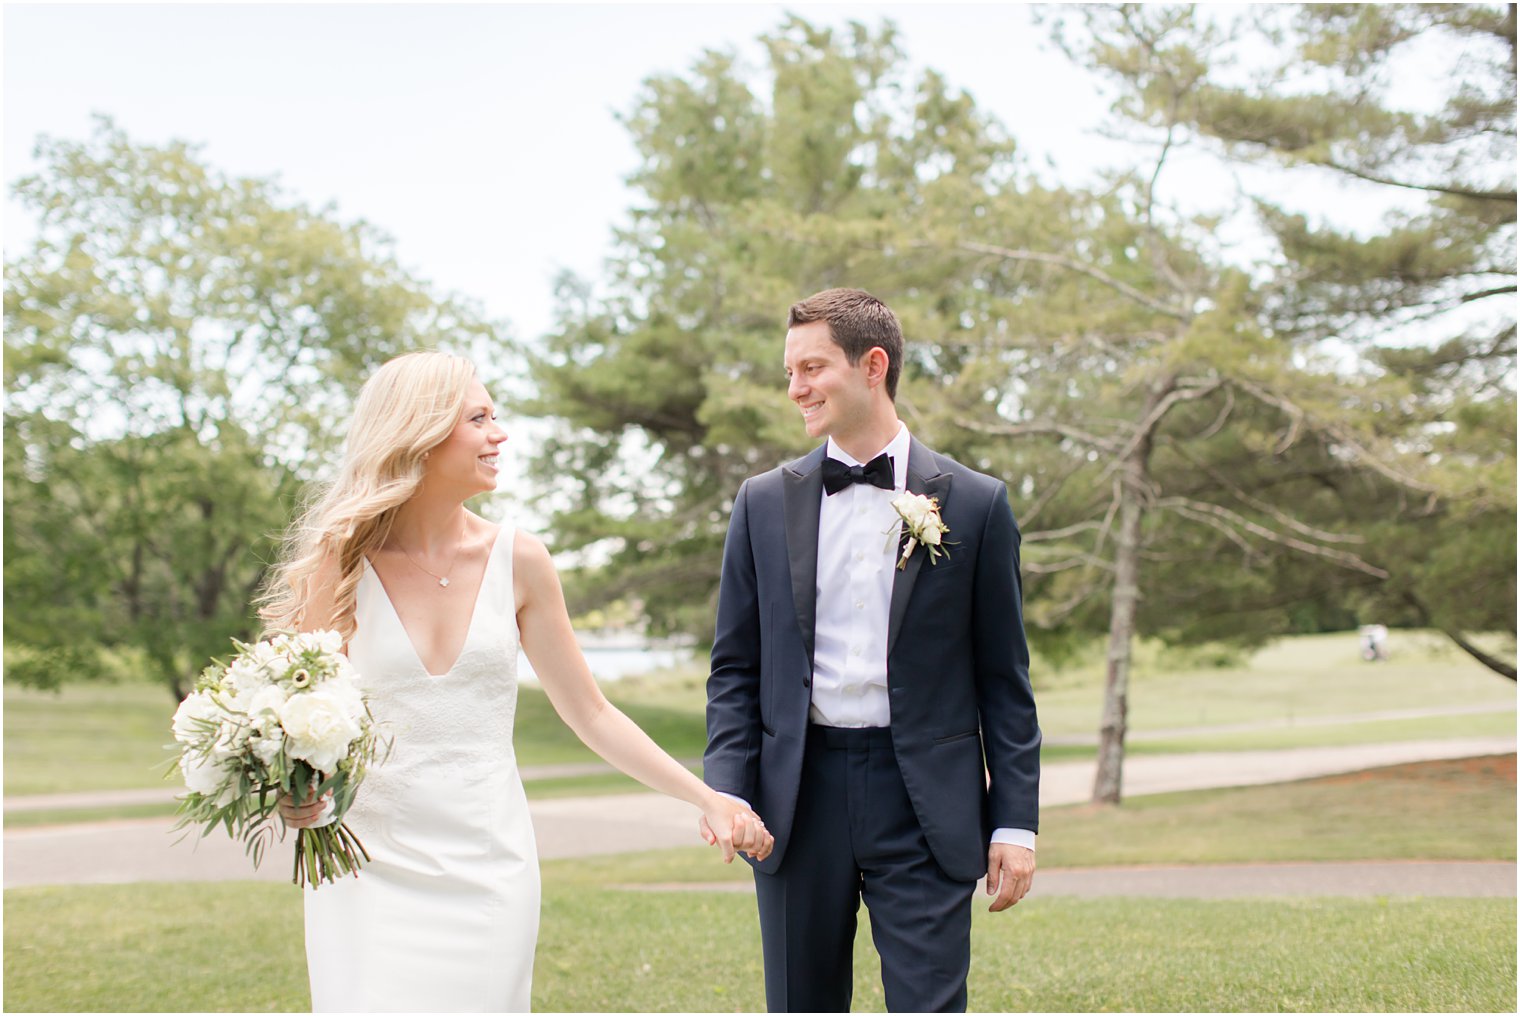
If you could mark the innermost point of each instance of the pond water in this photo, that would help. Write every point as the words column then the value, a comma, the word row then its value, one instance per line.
column 610, row 663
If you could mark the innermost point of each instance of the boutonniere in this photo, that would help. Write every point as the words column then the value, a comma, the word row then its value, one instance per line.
column 921, row 521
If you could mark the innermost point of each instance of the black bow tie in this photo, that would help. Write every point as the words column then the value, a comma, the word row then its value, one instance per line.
column 878, row 473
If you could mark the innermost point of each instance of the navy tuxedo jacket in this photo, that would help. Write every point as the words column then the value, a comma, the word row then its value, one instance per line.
column 957, row 662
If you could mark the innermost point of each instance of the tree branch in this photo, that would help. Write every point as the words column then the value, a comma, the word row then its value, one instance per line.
column 1280, row 516
column 1493, row 663
column 1066, row 564
column 1061, row 611
column 1029, row 513
column 1073, row 265
column 1040, row 536
column 1338, row 434
column 1508, row 196
column 1215, row 515
column 1170, row 399
column 1037, row 427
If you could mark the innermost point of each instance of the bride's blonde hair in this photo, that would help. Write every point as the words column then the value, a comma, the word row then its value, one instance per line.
column 406, row 408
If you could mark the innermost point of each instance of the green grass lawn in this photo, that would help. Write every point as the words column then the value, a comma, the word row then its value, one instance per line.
column 1428, row 728
column 1291, row 679
column 86, row 737
column 1458, row 810
column 112, row 735
column 237, row 947
column 1450, row 810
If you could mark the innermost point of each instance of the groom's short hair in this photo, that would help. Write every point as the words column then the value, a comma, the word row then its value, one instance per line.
column 857, row 322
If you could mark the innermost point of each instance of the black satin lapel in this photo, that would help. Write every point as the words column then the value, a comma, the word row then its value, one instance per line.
column 938, row 486
column 801, row 494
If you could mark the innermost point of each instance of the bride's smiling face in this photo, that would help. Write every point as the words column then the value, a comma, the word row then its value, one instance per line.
column 467, row 457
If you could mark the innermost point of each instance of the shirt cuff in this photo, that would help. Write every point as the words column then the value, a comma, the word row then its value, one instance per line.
column 735, row 797
column 1014, row 837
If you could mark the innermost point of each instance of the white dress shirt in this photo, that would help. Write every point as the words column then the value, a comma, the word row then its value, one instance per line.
column 857, row 556
column 858, row 533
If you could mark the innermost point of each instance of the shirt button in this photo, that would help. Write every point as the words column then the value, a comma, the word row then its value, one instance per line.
column 860, row 511
column 855, row 651
column 852, row 689
column 860, row 555
column 860, row 604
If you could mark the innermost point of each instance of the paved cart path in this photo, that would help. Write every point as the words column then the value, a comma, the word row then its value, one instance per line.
column 144, row 850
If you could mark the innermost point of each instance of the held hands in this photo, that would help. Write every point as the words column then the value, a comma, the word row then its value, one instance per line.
column 1010, row 872
column 732, row 827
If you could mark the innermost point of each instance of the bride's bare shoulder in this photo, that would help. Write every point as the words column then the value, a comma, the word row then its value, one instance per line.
column 532, row 566
column 528, row 550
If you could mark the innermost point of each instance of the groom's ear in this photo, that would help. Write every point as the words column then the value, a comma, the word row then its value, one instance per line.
column 876, row 363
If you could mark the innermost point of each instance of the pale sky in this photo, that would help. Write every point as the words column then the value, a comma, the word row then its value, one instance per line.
column 482, row 137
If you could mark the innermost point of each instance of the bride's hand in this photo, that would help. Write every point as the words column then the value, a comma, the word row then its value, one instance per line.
column 741, row 830
column 303, row 816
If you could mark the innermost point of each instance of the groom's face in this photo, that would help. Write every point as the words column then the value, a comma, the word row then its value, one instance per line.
column 833, row 394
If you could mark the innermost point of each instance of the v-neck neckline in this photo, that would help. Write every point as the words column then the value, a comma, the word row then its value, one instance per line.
column 469, row 630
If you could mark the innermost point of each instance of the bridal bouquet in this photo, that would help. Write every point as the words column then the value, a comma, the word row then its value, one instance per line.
column 287, row 715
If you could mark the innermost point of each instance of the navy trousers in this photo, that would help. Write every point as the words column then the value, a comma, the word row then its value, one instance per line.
column 856, row 837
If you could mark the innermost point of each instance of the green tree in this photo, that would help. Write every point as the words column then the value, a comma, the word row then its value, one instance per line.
column 1178, row 465
column 178, row 347
column 1387, row 439
column 1424, row 303
column 852, row 176
column 668, row 390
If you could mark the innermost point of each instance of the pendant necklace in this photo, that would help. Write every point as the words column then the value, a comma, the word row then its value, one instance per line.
column 443, row 580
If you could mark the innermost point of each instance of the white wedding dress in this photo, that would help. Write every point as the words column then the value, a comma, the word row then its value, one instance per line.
column 444, row 917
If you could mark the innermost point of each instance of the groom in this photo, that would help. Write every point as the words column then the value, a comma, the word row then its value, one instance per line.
column 860, row 685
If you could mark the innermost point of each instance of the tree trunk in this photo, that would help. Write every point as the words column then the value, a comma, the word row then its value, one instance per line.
column 1121, row 632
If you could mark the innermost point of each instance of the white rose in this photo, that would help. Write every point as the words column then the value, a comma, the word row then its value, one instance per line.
column 345, row 669
column 198, row 709
column 231, row 738
column 325, row 641
column 246, row 675
column 930, row 536
column 267, row 748
column 346, row 691
column 328, row 641
column 277, row 653
column 201, row 775
column 267, row 700
column 318, row 728
column 913, row 508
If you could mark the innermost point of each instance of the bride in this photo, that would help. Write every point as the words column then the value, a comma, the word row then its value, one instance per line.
column 433, row 602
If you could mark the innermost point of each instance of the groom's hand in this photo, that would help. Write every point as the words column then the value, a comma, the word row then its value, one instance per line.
column 742, row 830
column 1010, row 872
column 751, row 836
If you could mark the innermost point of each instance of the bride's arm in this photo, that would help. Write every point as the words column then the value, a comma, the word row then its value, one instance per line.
column 550, row 644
